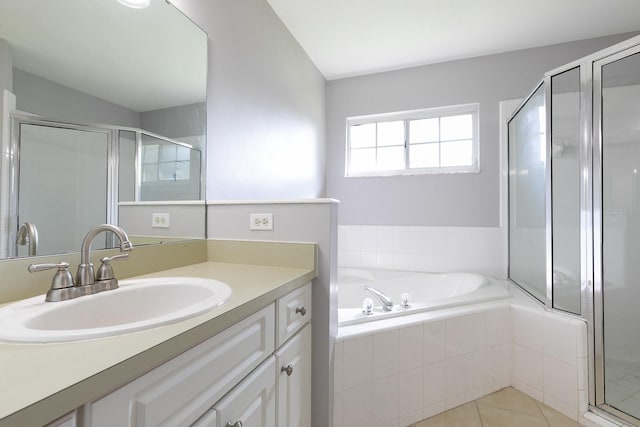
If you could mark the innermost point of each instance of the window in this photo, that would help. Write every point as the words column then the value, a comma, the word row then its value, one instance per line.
column 165, row 162
column 434, row 140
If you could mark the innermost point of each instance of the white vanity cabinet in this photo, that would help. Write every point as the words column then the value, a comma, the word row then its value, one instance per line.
column 294, row 380
column 236, row 378
column 68, row 420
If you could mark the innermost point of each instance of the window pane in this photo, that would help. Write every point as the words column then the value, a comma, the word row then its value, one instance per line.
column 363, row 160
column 425, row 156
column 391, row 133
column 150, row 172
column 456, row 127
column 182, row 170
column 456, row 153
column 424, row 130
column 167, row 171
column 363, row 135
column 183, row 153
column 149, row 154
column 391, row 158
column 167, row 152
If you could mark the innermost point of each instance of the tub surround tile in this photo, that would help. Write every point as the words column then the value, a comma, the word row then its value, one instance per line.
column 385, row 399
column 527, row 329
column 455, row 356
column 454, row 401
column 475, row 331
column 434, row 383
column 411, row 418
column 455, row 376
column 358, row 362
column 386, row 354
column 420, row 248
column 456, row 338
column 560, row 381
column 528, row 369
column 435, row 340
column 410, row 393
column 559, row 339
column 432, row 410
column 358, row 406
column 410, row 347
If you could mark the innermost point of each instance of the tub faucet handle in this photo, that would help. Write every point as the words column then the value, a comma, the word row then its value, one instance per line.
column 387, row 304
column 405, row 300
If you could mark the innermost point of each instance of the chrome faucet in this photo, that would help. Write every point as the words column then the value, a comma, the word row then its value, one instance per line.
column 28, row 235
column 387, row 304
column 85, row 275
column 87, row 283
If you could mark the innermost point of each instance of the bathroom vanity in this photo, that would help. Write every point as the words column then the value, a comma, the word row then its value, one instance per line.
column 247, row 362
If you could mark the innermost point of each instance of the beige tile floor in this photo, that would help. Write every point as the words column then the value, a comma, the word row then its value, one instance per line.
column 505, row 408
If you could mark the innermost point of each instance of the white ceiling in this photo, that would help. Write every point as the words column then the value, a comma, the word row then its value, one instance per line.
column 144, row 59
column 354, row 37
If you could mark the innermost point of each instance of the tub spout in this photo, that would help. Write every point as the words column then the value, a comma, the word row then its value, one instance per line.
column 387, row 304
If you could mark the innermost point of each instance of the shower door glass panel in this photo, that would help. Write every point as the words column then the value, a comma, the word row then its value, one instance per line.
column 126, row 166
column 62, row 185
column 565, row 189
column 527, row 231
column 621, row 232
column 169, row 171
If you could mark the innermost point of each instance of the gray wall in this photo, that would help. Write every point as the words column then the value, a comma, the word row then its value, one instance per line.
column 52, row 100
column 265, row 105
column 448, row 199
column 176, row 122
column 291, row 224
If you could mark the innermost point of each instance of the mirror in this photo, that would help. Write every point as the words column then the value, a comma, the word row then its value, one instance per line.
column 108, row 122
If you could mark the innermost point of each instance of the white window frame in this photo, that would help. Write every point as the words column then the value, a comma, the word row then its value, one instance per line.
column 406, row 116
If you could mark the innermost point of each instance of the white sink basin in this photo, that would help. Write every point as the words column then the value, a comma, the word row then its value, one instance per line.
column 136, row 305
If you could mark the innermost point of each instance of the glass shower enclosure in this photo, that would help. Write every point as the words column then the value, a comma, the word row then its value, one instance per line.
column 65, row 178
column 574, row 211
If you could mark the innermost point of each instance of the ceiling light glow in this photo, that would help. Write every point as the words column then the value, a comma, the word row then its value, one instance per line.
column 135, row 4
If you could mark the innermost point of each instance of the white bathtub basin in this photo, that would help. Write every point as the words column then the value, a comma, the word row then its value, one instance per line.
column 136, row 305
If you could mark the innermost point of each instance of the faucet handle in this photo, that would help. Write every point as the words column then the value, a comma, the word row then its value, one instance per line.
column 62, row 287
column 62, row 279
column 105, row 272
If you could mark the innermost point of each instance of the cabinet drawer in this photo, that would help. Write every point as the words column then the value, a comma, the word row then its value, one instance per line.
column 294, row 310
column 293, row 368
column 180, row 391
column 253, row 401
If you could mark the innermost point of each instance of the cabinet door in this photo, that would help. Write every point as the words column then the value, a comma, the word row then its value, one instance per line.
column 252, row 403
column 294, row 381
column 177, row 393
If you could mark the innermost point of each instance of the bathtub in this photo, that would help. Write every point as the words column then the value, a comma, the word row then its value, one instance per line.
column 427, row 292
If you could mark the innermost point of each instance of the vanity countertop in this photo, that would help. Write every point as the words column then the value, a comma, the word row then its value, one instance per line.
column 41, row 382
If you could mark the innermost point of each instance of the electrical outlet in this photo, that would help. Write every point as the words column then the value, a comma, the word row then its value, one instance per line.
column 160, row 220
column 262, row 221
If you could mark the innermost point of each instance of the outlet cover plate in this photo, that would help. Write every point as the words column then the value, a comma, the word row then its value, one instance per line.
column 261, row 221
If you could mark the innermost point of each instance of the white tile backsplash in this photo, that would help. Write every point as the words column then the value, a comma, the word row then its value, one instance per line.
column 417, row 248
